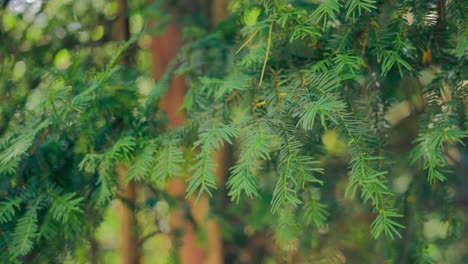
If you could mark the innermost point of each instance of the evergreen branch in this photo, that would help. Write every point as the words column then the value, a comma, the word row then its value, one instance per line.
column 103, row 164
column 20, row 145
column 254, row 147
column 5, row 248
column 372, row 184
column 167, row 162
column 304, row 31
column 294, row 169
column 359, row 5
column 315, row 212
column 26, row 230
column 385, row 224
column 8, row 209
column 220, row 88
column 49, row 227
column 65, row 205
column 142, row 163
column 389, row 59
column 203, row 178
column 81, row 99
column 431, row 146
column 327, row 10
column 104, row 183
column 211, row 139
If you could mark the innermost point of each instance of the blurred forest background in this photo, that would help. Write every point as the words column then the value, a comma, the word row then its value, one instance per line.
column 125, row 52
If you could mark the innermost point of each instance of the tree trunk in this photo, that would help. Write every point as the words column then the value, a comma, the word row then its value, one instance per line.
column 215, row 251
column 165, row 47
column 129, row 250
column 218, row 10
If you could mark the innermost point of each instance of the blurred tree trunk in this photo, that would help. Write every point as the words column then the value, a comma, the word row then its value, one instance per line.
column 218, row 10
column 129, row 250
column 165, row 46
column 215, row 250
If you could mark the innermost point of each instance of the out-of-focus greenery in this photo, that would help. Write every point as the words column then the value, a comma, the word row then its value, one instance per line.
column 47, row 49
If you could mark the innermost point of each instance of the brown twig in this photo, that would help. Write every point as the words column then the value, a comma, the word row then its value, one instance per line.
column 267, row 53
column 142, row 240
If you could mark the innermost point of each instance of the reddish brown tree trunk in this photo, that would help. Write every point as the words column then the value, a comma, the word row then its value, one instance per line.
column 165, row 47
column 218, row 10
column 128, row 248
column 129, row 251
column 215, row 254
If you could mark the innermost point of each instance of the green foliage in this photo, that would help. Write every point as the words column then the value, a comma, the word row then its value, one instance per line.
column 315, row 212
column 210, row 140
column 64, row 206
column 431, row 147
column 354, row 8
column 143, row 162
column 7, row 209
column 168, row 162
column 255, row 146
column 269, row 87
column 327, row 11
column 294, row 169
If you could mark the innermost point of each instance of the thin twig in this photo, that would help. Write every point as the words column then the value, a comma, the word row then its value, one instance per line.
column 247, row 41
column 148, row 236
column 266, row 55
